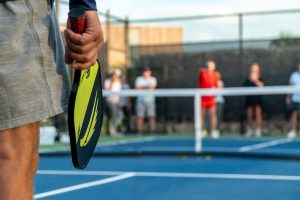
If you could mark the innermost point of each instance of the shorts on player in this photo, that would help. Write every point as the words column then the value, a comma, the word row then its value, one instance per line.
column 34, row 82
column 145, row 109
column 296, row 106
column 208, row 102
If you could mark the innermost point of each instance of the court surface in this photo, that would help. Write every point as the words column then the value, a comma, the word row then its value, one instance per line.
column 207, row 177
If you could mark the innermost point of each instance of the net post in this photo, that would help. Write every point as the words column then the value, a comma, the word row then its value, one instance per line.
column 197, row 112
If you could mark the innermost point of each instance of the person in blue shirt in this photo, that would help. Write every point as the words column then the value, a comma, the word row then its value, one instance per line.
column 34, row 82
column 293, row 100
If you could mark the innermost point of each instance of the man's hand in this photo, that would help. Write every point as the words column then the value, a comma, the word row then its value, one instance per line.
column 81, row 50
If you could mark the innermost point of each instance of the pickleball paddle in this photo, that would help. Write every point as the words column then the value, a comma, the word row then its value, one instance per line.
column 85, row 104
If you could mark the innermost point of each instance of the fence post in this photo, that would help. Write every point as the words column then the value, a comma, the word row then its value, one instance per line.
column 127, row 43
column 108, row 31
column 198, row 125
column 241, row 41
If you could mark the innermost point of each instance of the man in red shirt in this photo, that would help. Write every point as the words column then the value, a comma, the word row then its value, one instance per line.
column 208, row 78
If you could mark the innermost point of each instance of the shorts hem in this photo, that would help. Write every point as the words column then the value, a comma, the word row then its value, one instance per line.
column 28, row 119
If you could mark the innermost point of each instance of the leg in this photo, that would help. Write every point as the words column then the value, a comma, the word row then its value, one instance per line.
column 203, row 112
column 213, row 118
column 152, row 124
column 140, row 109
column 249, row 117
column 258, row 116
column 294, row 117
column 220, row 108
column 140, row 124
column 249, row 113
column 114, row 118
column 19, row 161
column 126, row 118
column 151, row 113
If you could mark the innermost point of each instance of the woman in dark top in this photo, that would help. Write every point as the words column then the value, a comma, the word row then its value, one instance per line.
column 254, row 103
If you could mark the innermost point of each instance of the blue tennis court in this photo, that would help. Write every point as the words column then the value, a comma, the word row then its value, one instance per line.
column 176, row 176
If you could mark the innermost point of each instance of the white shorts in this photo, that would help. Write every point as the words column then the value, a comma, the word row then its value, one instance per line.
column 145, row 109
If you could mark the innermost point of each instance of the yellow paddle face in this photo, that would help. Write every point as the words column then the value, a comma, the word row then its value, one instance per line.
column 84, row 99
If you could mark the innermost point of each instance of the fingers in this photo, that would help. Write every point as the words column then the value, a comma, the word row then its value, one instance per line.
column 80, row 61
column 83, row 48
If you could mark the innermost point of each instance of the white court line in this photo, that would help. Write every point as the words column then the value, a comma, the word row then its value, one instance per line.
column 84, row 185
column 106, row 144
column 128, row 141
column 264, row 145
column 172, row 175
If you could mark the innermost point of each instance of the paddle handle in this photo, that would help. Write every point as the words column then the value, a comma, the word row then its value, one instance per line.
column 77, row 20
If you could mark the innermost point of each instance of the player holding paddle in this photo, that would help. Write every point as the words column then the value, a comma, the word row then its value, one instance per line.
column 34, row 81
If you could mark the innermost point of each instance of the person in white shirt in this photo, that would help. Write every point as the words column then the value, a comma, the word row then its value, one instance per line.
column 113, row 102
column 294, row 101
column 145, row 105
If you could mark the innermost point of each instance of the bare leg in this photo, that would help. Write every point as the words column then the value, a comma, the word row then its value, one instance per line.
column 249, row 117
column 19, row 161
column 152, row 124
column 294, row 117
column 203, row 112
column 140, row 124
column 213, row 119
column 258, row 116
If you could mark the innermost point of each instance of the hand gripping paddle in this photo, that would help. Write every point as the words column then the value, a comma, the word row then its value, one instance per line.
column 85, row 104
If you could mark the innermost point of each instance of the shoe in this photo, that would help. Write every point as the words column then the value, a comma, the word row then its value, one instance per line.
column 204, row 133
column 215, row 134
column 249, row 132
column 292, row 134
column 113, row 132
column 258, row 132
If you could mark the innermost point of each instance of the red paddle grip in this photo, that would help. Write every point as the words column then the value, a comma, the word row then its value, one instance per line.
column 77, row 20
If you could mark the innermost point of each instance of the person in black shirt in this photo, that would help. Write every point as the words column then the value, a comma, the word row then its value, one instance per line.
column 254, row 103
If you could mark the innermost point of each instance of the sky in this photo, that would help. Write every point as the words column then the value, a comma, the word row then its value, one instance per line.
column 213, row 29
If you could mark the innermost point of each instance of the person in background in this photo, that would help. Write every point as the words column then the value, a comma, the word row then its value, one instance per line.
column 125, row 104
column 294, row 101
column 208, row 79
column 113, row 84
column 254, row 103
column 220, row 104
column 145, row 105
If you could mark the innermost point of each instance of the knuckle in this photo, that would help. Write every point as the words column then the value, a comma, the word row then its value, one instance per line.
column 80, row 50
column 81, row 41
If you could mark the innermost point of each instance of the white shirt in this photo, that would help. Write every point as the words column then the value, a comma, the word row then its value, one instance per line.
column 295, row 81
column 141, row 81
column 113, row 87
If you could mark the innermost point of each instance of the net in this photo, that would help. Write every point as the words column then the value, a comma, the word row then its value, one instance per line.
column 180, row 132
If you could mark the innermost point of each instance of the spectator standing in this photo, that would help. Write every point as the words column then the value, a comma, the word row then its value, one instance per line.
column 125, row 103
column 208, row 79
column 145, row 105
column 254, row 103
column 294, row 101
column 113, row 84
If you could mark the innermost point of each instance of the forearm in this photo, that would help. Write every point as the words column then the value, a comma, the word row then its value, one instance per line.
column 259, row 84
